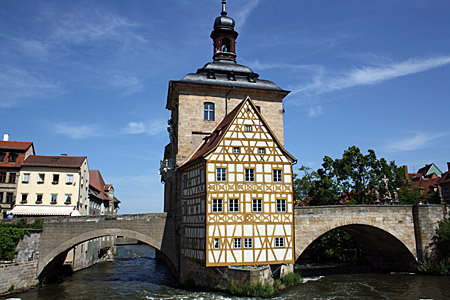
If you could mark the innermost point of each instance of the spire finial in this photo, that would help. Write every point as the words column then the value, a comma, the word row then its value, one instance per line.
column 224, row 9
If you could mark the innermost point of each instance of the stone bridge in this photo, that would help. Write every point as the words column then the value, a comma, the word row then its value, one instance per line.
column 61, row 234
column 393, row 237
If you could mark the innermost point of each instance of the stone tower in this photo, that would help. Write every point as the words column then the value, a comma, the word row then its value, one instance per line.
column 200, row 100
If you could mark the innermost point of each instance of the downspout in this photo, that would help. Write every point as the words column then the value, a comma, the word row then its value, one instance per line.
column 226, row 99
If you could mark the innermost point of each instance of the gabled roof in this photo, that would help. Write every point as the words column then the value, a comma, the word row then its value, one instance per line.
column 428, row 170
column 10, row 145
column 211, row 141
column 54, row 161
column 97, row 183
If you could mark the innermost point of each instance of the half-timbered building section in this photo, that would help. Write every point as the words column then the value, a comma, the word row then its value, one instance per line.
column 194, row 202
column 249, row 201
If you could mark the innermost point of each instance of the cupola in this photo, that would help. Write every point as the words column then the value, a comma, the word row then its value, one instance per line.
column 224, row 37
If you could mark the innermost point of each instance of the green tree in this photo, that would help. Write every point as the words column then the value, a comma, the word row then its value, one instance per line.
column 350, row 178
column 303, row 184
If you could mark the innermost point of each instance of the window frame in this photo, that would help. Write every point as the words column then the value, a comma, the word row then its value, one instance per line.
column 2, row 177
column 236, row 150
column 233, row 205
column 67, row 178
column 41, row 178
column 248, row 243
column 39, row 198
column 249, row 175
column 279, row 242
column 221, row 174
column 248, row 128
column 209, row 111
column 277, row 175
column 53, row 198
column 237, row 243
column 12, row 178
column 24, row 198
column 67, row 196
column 216, row 244
column 261, row 150
column 258, row 204
column 217, row 205
column 281, row 203
column 9, row 197
column 12, row 157
column 26, row 178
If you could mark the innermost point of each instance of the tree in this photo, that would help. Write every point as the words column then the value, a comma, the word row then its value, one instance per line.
column 303, row 184
column 350, row 178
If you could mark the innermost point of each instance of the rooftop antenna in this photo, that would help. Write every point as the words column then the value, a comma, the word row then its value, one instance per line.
column 224, row 9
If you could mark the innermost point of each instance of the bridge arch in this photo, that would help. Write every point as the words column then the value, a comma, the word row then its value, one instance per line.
column 382, row 248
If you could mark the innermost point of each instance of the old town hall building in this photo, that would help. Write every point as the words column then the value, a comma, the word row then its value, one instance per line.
column 227, row 176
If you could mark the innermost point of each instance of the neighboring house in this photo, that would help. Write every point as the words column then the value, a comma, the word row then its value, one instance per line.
column 12, row 155
column 101, row 195
column 427, row 180
column 237, row 195
column 53, row 186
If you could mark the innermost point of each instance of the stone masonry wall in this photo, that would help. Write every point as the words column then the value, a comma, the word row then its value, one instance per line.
column 18, row 275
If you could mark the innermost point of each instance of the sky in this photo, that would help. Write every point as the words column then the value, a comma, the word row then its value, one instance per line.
column 91, row 77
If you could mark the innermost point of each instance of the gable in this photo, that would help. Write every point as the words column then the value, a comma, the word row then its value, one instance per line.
column 250, row 133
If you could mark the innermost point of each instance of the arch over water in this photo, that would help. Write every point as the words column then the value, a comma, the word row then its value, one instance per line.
column 380, row 247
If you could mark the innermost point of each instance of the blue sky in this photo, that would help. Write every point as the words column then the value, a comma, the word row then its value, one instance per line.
column 91, row 78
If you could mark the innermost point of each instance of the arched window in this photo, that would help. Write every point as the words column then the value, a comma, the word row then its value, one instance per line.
column 208, row 111
column 226, row 45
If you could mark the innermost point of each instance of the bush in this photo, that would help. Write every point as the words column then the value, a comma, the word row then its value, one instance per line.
column 9, row 237
column 291, row 279
column 248, row 289
column 442, row 237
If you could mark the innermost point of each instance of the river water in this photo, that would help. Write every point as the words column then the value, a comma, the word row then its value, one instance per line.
column 136, row 274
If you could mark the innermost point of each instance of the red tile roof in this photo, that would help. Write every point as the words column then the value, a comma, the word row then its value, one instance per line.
column 9, row 145
column 97, row 183
column 54, row 161
column 212, row 141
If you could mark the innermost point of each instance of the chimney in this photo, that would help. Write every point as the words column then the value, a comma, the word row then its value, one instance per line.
column 406, row 171
column 6, row 137
column 448, row 166
column 63, row 154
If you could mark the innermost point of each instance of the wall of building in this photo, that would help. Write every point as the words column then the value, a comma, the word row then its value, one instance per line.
column 17, row 275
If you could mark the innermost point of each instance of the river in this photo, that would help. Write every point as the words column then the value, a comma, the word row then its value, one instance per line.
column 136, row 274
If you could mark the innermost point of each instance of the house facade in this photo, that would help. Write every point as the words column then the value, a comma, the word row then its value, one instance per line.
column 12, row 155
column 53, row 186
column 237, row 195
column 101, row 195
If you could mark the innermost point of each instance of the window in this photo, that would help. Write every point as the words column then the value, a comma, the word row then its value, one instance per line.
column 248, row 128
column 41, row 178
column 69, row 179
column 208, row 111
column 248, row 243
column 262, row 150
column 277, row 176
column 221, row 174
column 68, row 199
column 55, row 179
column 238, row 243
column 216, row 243
column 236, row 150
column 257, row 205
column 249, row 175
column 12, row 177
column 12, row 157
column 184, row 181
column 24, row 198
column 279, row 242
column 54, row 199
column 9, row 197
column 2, row 177
column 217, row 206
column 26, row 178
column 38, row 198
column 234, row 205
column 281, row 205
column 2, row 156
column 1, row 197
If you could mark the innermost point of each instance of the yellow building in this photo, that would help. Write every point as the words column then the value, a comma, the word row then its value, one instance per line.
column 237, row 194
column 53, row 185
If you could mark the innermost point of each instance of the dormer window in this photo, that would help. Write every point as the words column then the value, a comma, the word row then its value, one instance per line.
column 12, row 157
column 2, row 156
column 208, row 111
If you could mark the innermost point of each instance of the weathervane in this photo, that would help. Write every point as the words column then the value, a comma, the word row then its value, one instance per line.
column 224, row 10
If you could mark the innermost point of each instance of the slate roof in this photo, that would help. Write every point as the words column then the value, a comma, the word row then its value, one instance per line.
column 54, row 161
column 211, row 141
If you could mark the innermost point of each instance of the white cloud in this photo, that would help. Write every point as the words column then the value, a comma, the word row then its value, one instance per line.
column 129, row 85
column 77, row 131
column 418, row 140
column 244, row 11
column 371, row 75
column 18, row 85
column 152, row 128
